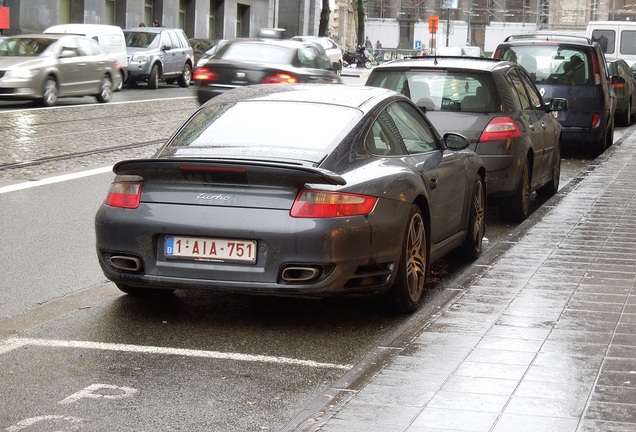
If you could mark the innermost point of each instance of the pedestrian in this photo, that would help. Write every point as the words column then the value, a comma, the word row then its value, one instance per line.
column 368, row 44
column 155, row 23
column 378, row 45
column 142, row 24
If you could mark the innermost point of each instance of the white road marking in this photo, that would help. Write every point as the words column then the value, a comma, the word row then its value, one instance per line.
column 55, row 179
column 15, row 343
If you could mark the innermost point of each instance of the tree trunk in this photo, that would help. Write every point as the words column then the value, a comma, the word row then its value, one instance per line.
column 323, row 26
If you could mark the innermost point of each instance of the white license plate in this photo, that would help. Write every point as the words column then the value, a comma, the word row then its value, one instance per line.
column 198, row 248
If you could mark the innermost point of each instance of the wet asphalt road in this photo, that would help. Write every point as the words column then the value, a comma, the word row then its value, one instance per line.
column 75, row 354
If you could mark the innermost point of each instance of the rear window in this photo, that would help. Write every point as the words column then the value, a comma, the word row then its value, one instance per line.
column 255, row 53
column 227, row 128
column 442, row 90
column 552, row 64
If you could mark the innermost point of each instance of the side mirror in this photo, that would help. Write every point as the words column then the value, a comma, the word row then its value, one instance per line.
column 166, row 48
column 455, row 141
column 557, row 104
column 617, row 80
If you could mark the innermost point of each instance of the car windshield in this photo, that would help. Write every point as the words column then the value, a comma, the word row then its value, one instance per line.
column 24, row 47
column 551, row 64
column 255, row 53
column 440, row 89
column 221, row 129
column 142, row 39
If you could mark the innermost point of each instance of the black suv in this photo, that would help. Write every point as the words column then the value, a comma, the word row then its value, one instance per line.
column 573, row 68
column 496, row 106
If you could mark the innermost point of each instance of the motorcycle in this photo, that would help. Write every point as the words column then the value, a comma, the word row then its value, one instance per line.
column 360, row 57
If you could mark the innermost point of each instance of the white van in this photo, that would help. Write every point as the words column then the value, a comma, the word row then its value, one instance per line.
column 617, row 38
column 111, row 38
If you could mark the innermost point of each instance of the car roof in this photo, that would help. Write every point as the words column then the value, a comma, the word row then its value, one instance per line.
column 269, row 41
column 45, row 36
column 484, row 64
column 151, row 29
column 537, row 38
column 357, row 97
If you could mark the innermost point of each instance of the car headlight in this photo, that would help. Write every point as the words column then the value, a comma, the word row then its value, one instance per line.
column 140, row 58
column 22, row 73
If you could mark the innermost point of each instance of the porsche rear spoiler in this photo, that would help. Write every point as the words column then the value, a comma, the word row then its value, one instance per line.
column 298, row 173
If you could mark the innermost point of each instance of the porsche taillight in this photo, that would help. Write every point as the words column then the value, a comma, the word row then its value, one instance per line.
column 280, row 78
column 205, row 74
column 321, row 204
column 124, row 194
column 500, row 128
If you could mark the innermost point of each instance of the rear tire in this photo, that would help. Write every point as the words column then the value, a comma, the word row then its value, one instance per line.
column 476, row 222
column 185, row 77
column 551, row 188
column 517, row 207
column 407, row 290
column 105, row 90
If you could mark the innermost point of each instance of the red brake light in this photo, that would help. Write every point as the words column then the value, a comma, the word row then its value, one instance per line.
column 124, row 194
column 596, row 119
column 500, row 128
column 618, row 85
column 318, row 204
column 204, row 74
column 280, row 78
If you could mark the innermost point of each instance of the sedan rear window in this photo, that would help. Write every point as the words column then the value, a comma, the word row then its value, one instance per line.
column 255, row 53
column 442, row 90
column 239, row 128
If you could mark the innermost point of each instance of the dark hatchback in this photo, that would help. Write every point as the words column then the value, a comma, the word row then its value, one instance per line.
column 624, row 83
column 573, row 68
column 497, row 107
column 243, row 62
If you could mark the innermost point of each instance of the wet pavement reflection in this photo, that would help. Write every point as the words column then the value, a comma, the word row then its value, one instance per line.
column 540, row 336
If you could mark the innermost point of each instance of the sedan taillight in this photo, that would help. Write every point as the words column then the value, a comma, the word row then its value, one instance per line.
column 280, row 78
column 319, row 204
column 204, row 74
column 500, row 128
column 124, row 194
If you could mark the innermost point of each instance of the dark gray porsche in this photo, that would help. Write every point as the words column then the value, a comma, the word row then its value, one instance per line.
column 295, row 190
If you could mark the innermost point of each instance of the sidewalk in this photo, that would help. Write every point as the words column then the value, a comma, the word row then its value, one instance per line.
column 539, row 335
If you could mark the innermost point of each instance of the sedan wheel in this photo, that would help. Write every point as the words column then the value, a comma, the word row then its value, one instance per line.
column 517, row 207
column 49, row 92
column 476, row 221
column 408, row 288
column 105, row 90
column 552, row 187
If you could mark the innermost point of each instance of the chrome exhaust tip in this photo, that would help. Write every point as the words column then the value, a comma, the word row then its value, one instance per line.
column 125, row 263
column 295, row 274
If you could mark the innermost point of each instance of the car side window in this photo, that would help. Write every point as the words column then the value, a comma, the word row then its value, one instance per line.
column 69, row 44
column 531, row 89
column 308, row 57
column 416, row 133
column 165, row 40
column 174, row 40
column 520, row 92
column 381, row 140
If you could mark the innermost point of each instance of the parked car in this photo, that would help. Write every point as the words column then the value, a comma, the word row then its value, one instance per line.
column 158, row 53
column 109, row 37
column 242, row 62
column 573, row 68
column 333, row 51
column 46, row 67
column 289, row 207
column 495, row 104
column 199, row 47
column 624, row 83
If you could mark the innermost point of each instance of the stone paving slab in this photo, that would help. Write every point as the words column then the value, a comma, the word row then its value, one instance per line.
column 543, row 339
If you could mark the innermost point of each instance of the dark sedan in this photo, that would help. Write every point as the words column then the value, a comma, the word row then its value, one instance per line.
column 283, row 206
column 495, row 104
column 624, row 84
column 243, row 62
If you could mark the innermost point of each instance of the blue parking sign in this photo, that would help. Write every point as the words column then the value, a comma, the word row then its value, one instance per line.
column 418, row 45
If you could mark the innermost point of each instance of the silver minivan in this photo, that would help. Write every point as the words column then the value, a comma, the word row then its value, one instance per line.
column 158, row 53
